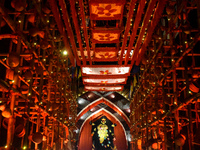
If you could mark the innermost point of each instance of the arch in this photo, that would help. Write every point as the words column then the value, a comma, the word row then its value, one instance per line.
column 85, row 138
column 108, row 103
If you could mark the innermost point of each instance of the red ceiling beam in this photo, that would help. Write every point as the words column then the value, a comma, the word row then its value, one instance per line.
column 156, row 18
column 142, row 30
column 69, row 28
column 135, row 28
column 127, row 28
column 85, row 32
column 77, row 29
column 104, row 59
column 60, row 25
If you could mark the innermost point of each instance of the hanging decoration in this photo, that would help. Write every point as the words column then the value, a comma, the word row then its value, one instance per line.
column 104, row 10
column 105, row 70
column 105, row 54
column 105, row 36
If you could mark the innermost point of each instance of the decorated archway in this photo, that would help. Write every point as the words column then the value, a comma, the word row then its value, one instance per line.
column 106, row 102
column 85, row 136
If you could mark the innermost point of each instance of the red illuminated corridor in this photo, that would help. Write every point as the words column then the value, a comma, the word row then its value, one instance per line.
column 99, row 74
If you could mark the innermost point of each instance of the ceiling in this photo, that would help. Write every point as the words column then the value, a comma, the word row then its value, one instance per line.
column 106, row 38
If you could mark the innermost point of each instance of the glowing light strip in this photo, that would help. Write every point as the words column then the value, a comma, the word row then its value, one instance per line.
column 105, row 70
column 105, row 81
column 103, row 88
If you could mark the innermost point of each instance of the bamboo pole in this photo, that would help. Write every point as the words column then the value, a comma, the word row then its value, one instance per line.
column 37, row 126
column 11, row 126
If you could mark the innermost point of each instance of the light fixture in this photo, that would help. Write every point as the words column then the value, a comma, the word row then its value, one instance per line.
column 64, row 52
column 112, row 96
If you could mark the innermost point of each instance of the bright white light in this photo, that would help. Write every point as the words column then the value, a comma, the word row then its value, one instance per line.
column 64, row 52
column 90, row 95
column 76, row 131
column 128, row 110
column 92, row 109
column 112, row 96
column 81, row 101
column 82, row 117
column 128, row 136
